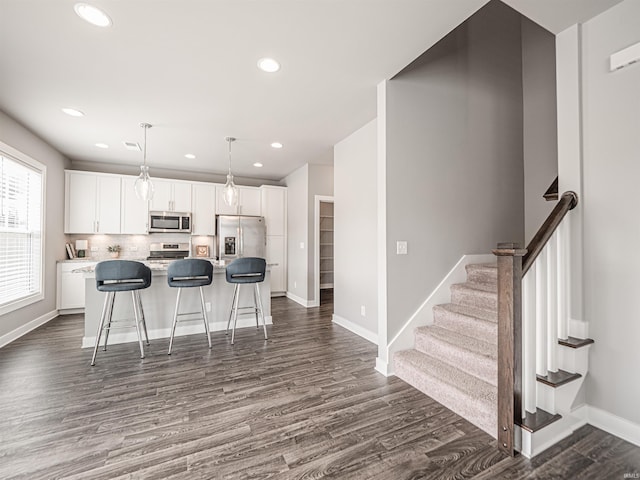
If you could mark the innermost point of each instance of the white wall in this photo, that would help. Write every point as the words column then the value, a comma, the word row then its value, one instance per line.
column 540, row 142
column 454, row 156
column 18, row 137
column 355, row 228
column 297, row 231
column 611, row 205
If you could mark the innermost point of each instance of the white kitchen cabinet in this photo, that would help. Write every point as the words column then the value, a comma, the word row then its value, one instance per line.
column 71, row 286
column 276, row 248
column 171, row 196
column 204, row 209
column 92, row 203
column 134, row 214
column 274, row 209
column 249, row 202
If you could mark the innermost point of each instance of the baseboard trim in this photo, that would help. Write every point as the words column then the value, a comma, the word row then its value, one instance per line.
column 355, row 328
column 300, row 300
column 383, row 368
column 13, row 335
column 613, row 424
column 181, row 330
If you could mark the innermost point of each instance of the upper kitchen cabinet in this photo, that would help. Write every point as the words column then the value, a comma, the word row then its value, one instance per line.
column 171, row 196
column 274, row 209
column 248, row 202
column 134, row 214
column 92, row 202
column 204, row 209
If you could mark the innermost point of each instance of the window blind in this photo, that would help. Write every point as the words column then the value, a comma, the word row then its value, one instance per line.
column 20, row 230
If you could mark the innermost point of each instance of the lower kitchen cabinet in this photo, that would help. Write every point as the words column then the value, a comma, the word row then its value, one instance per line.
column 71, row 286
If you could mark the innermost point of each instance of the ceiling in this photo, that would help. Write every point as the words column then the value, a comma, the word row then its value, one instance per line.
column 188, row 67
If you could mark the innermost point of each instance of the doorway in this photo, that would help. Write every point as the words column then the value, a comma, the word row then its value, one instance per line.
column 324, row 245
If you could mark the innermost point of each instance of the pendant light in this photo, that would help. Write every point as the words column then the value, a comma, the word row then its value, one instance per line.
column 143, row 185
column 230, row 191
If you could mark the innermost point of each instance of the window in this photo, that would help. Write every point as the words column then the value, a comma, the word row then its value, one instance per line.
column 21, row 235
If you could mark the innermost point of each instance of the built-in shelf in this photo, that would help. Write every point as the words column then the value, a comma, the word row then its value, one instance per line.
column 326, row 240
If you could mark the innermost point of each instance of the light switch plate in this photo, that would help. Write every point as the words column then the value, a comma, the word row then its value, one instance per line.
column 401, row 247
column 301, row 245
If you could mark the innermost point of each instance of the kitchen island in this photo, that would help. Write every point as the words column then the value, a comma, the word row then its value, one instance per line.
column 159, row 302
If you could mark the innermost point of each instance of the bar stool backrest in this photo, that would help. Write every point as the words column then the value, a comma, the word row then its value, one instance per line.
column 246, row 270
column 122, row 276
column 190, row 272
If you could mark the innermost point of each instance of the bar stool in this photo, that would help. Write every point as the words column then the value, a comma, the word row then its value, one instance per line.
column 246, row 270
column 113, row 276
column 187, row 273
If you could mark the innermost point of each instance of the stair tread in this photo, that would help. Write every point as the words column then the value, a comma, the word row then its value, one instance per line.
column 556, row 379
column 573, row 342
column 460, row 341
column 476, row 313
column 493, row 266
column 534, row 422
column 467, row 395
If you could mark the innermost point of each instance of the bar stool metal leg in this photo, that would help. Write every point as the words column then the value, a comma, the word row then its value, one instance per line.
column 233, row 301
column 235, row 313
column 255, row 304
column 264, row 323
column 100, row 326
column 138, row 321
column 175, row 321
column 107, row 329
column 144, row 322
column 204, row 317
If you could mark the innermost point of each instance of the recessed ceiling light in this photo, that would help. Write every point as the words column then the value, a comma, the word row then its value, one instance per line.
column 92, row 14
column 276, row 145
column 102, row 145
column 268, row 65
column 190, row 156
column 73, row 112
column 257, row 164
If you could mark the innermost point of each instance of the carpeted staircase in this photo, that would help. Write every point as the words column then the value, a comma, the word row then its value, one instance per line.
column 454, row 361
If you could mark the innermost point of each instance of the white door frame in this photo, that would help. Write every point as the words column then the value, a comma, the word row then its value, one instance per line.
column 316, row 245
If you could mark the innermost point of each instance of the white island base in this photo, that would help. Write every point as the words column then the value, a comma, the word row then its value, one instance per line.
column 159, row 301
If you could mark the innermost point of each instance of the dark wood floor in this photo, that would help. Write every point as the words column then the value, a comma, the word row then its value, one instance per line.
column 305, row 404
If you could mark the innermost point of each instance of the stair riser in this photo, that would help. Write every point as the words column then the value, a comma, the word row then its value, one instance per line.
column 475, row 298
column 456, row 322
column 485, row 368
column 474, row 410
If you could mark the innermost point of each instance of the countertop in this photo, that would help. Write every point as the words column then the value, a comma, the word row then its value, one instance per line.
column 160, row 266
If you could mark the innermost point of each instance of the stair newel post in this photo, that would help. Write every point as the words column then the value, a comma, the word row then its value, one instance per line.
column 509, row 256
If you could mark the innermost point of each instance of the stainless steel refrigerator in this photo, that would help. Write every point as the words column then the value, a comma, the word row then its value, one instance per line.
column 240, row 236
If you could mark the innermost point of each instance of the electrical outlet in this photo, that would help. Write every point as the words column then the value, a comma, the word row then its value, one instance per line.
column 207, row 306
column 401, row 247
column 295, row 284
column 363, row 311
column 94, row 249
column 133, row 248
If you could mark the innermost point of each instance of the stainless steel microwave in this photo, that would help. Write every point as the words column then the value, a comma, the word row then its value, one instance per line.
column 167, row 222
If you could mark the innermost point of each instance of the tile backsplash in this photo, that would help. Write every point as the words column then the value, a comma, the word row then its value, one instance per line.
column 136, row 247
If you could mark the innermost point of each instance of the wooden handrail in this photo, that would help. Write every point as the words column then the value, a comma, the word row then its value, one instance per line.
column 567, row 202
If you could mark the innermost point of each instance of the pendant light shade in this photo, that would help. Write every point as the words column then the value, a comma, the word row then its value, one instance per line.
column 230, row 191
column 143, row 186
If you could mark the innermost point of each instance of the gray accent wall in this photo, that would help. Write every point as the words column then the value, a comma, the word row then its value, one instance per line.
column 611, row 171
column 355, row 225
column 454, row 156
column 23, row 140
column 540, row 140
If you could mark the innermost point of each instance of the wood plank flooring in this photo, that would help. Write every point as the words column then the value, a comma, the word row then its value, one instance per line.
column 307, row 403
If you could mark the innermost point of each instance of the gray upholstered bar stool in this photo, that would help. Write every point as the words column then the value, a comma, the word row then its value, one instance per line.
column 241, row 271
column 113, row 276
column 188, row 273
